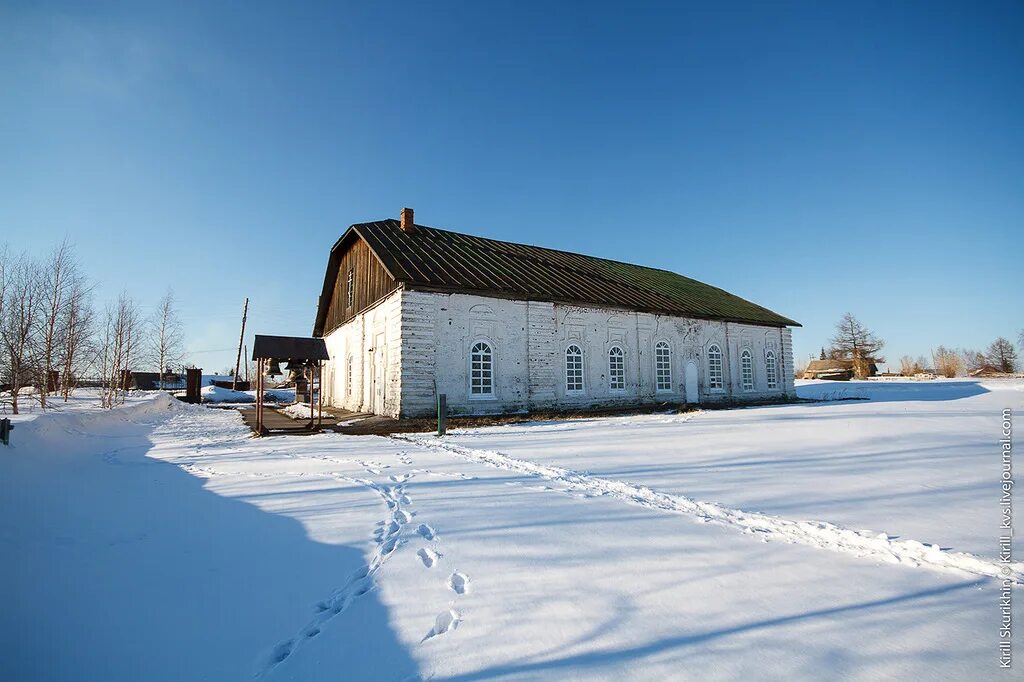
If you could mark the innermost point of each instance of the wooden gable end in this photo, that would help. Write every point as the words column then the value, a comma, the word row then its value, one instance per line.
column 370, row 283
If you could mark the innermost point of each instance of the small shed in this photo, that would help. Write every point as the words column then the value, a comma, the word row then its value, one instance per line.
column 836, row 370
column 988, row 371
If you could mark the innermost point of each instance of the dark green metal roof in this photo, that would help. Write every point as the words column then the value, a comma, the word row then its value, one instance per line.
column 433, row 259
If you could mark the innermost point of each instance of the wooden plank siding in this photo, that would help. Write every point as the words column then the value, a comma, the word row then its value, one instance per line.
column 371, row 283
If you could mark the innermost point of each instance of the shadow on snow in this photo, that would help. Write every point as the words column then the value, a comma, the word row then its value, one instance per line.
column 132, row 570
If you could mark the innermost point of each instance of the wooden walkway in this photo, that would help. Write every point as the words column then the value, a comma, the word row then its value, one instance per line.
column 335, row 419
column 280, row 424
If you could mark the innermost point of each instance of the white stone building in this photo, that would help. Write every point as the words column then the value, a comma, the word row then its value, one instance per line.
column 409, row 312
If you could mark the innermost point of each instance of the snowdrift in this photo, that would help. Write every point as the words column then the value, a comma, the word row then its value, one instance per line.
column 63, row 431
column 216, row 394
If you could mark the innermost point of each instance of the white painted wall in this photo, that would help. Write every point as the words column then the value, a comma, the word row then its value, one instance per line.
column 529, row 341
column 413, row 345
column 351, row 385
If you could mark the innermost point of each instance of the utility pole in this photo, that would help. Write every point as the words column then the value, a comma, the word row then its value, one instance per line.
column 241, row 337
column 246, row 354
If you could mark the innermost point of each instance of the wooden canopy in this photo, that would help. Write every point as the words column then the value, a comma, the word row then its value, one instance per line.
column 309, row 352
column 289, row 348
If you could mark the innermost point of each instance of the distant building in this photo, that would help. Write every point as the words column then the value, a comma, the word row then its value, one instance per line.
column 835, row 370
column 409, row 312
column 150, row 381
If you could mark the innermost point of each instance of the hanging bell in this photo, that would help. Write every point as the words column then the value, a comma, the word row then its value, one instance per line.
column 274, row 369
column 294, row 365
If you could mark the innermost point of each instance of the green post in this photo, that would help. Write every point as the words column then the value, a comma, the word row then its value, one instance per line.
column 5, row 431
column 442, row 413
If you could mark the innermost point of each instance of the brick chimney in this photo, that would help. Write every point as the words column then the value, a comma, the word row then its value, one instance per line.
column 408, row 226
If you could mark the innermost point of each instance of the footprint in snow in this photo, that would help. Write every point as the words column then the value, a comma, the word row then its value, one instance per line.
column 427, row 556
column 459, row 582
column 445, row 621
column 426, row 532
column 282, row 651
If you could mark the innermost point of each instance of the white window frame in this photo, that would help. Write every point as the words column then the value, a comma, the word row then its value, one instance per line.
column 771, row 370
column 489, row 394
column 350, row 285
column 746, row 363
column 659, row 387
column 582, row 388
column 715, row 355
column 618, row 373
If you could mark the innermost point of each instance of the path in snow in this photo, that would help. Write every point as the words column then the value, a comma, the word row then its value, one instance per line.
column 360, row 582
column 388, row 537
column 820, row 534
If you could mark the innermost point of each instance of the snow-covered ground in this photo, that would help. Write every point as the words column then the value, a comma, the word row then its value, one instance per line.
column 81, row 399
column 830, row 540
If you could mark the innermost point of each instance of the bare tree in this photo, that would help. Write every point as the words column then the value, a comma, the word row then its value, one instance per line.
column 22, row 292
column 118, row 342
column 908, row 366
column 77, row 353
column 1002, row 355
column 5, row 273
column 57, row 279
column 854, row 341
column 972, row 359
column 166, row 339
column 948, row 362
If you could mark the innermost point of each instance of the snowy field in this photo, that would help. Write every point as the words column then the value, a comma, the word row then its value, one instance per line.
column 849, row 539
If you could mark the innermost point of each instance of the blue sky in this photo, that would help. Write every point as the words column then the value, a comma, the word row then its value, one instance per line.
column 813, row 157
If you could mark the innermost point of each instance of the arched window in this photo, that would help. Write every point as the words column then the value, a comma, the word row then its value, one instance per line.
column 573, row 369
column 616, row 369
column 715, row 367
column 481, row 370
column 747, row 370
column 662, row 366
column 769, row 369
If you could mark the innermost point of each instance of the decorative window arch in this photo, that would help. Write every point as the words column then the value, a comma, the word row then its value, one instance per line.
column 481, row 370
column 747, row 370
column 715, row 379
column 573, row 369
column 616, row 369
column 770, row 370
column 662, row 366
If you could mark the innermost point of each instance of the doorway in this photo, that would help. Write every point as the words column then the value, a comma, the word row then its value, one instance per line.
column 692, row 392
column 377, row 375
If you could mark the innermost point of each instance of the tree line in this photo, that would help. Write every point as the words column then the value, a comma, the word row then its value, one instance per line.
column 955, row 362
column 52, row 335
column 854, row 342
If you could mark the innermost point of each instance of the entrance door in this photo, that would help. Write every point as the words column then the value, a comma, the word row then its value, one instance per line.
column 378, row 380
column 692, row 394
